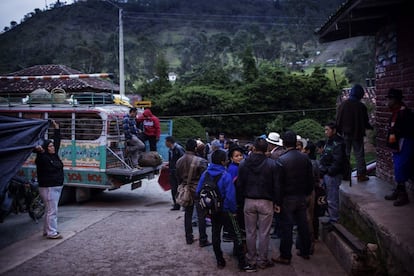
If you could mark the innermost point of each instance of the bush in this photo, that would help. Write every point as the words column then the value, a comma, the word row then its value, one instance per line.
column 309, row 129
column 185, row 128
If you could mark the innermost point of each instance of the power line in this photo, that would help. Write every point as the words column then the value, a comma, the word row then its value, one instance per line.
column 250, row 113
column 270, row 17
column 221, row 19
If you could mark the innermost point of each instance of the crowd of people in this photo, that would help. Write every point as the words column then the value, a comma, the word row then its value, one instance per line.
column 261, row 191
column 271, row 183
column 264, row 196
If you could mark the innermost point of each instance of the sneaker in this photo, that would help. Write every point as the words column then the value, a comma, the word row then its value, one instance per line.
column 56, row 236
column 221, row 264
column 306, row 257
column 266, row 264
column 175, row 208
column 280, row 260
column 249, row 268
column 204, row 243
column 45, row 234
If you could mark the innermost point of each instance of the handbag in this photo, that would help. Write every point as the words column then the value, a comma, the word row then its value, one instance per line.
column 164, row 180
column 185, row 192
column 184, row 195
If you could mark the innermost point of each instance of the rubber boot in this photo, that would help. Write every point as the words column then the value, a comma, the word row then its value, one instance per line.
column 402, row 198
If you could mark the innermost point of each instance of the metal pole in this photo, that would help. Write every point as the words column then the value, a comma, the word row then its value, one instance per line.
column 121, row 57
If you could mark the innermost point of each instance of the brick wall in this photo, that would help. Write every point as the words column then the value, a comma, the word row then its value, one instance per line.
column 392, row 72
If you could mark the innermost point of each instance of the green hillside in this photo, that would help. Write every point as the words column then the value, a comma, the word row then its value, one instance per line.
column 188, row 34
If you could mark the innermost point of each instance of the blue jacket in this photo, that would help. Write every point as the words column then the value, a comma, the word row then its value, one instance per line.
column 233, row 169
column 225, row 186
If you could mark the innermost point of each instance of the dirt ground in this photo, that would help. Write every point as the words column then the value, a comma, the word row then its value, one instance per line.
column 127, row 232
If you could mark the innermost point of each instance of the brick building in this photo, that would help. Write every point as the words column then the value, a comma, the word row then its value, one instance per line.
column 392, row 24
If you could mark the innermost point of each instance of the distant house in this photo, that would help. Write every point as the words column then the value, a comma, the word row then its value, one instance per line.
column 172, row 77
column 12, row 88
column 392, row 23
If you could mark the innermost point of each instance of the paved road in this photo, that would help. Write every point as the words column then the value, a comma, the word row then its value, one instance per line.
column 127, row 232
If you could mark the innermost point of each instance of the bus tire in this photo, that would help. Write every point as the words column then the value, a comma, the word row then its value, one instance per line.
column 67, row 196
column 82, row 194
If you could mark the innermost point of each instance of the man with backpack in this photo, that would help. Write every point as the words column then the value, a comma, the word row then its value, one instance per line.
column 217, row 195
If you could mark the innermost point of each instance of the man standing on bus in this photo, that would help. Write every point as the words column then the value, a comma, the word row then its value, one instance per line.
column 133, row 144
column 152, row 129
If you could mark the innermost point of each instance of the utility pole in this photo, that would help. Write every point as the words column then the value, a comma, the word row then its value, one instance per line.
column 121, row 52
column 121, row 56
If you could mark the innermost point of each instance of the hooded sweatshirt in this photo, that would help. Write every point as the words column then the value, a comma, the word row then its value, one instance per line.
column 225, row 186
column 352, row 116
column 257, row 177
column 151, row 123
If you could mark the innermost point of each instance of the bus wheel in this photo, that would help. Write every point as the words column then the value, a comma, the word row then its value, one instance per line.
column 67, row 196
column 82, row 194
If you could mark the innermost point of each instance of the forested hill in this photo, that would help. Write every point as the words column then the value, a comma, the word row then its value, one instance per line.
column 187, row 34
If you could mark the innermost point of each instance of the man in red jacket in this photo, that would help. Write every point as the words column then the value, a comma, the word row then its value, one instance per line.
column 151, row 128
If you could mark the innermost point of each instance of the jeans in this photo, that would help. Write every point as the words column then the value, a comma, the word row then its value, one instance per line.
column 403, row 161
column 227, row 219
column 174, row 185
column 258, row 216
column 50, row 197
column 188, row 215
column 293, row 212
column 359, row 152
column 332, row 194
column 151, row 139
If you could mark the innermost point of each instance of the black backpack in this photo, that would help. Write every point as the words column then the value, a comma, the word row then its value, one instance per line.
column 210, row 198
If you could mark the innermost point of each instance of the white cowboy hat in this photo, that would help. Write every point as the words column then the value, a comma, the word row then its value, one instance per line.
column 303, row 140
column 274, row 138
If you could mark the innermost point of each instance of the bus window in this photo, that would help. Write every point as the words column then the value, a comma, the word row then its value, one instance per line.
column 88, row 126
column 65, row 124
column 115, row 127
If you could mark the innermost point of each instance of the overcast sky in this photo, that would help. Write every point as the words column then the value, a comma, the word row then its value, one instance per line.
column 15, row 10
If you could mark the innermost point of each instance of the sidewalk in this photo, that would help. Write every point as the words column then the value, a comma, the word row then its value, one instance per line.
column 391, row 228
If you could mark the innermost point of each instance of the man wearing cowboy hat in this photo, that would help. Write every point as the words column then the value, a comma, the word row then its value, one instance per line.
column 400, row 139
column 275, row 145
column 275, row 149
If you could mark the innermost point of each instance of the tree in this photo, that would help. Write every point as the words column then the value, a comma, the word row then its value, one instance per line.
column 360, row 62
column 250, row 72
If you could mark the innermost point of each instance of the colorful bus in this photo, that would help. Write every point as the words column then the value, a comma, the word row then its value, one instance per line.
column 93, row 144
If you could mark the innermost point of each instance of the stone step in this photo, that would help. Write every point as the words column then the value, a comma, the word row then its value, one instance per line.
column 351, row 253
column 366, row 214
